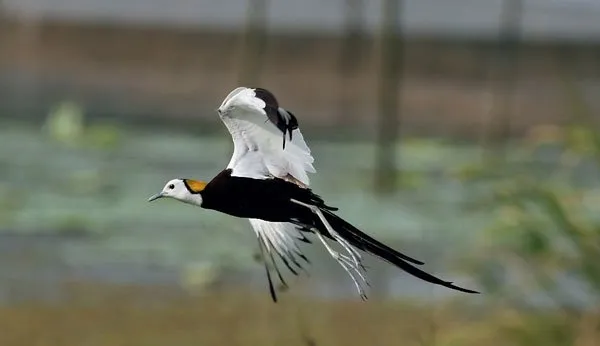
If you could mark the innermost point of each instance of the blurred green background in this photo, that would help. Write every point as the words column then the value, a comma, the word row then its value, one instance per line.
column 461, row 132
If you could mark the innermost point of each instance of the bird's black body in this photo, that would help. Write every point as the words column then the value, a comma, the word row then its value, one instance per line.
column 268, row 199
column 273, row 200
column 285, row 121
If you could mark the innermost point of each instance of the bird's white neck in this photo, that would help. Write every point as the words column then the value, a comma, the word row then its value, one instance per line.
column 193, row 199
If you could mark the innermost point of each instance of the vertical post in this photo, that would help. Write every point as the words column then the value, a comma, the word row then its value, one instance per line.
column 254, row 43
column 391, row 54
column 351, row 54
column 2, row 49
column 504, row 77
column 28, row 32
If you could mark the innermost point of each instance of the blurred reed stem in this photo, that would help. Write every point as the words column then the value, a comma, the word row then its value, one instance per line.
column 388, row 125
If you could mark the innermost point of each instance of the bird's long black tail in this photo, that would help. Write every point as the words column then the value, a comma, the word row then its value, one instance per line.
column 366, row 243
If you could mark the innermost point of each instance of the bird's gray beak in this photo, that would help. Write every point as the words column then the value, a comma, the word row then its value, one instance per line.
column 155, row 197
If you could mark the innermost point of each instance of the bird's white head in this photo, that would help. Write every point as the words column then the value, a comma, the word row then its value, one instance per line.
column 184, row 190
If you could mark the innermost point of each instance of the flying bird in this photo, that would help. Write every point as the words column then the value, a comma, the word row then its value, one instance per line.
column 266, row 182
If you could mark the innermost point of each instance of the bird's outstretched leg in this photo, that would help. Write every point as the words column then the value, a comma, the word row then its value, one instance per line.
column 348, row 263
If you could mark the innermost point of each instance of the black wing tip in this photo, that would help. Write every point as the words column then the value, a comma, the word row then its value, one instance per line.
column 286, row 122
column 273, row 294
column 292, row 123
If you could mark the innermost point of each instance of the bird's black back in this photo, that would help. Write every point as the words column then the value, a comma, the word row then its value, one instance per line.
column 266, row 199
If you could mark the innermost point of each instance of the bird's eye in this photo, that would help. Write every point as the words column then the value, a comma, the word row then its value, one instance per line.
column 171, row 186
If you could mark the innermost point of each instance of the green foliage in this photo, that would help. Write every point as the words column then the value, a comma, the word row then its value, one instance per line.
column 104, row 136
column 73, row 225
column 543, row 226
column 11, row 200
column 546, row 223
column 66, row 124
column 543, row 223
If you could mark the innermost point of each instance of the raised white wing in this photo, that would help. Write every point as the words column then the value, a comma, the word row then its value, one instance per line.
column 268, row 143
column 266, row 137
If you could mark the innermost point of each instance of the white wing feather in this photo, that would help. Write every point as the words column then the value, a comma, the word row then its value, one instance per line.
column 280, row 237
column 244, row 116
column 258, row 153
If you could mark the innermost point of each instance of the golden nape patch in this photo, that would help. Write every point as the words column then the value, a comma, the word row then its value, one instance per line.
column 194, row 186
